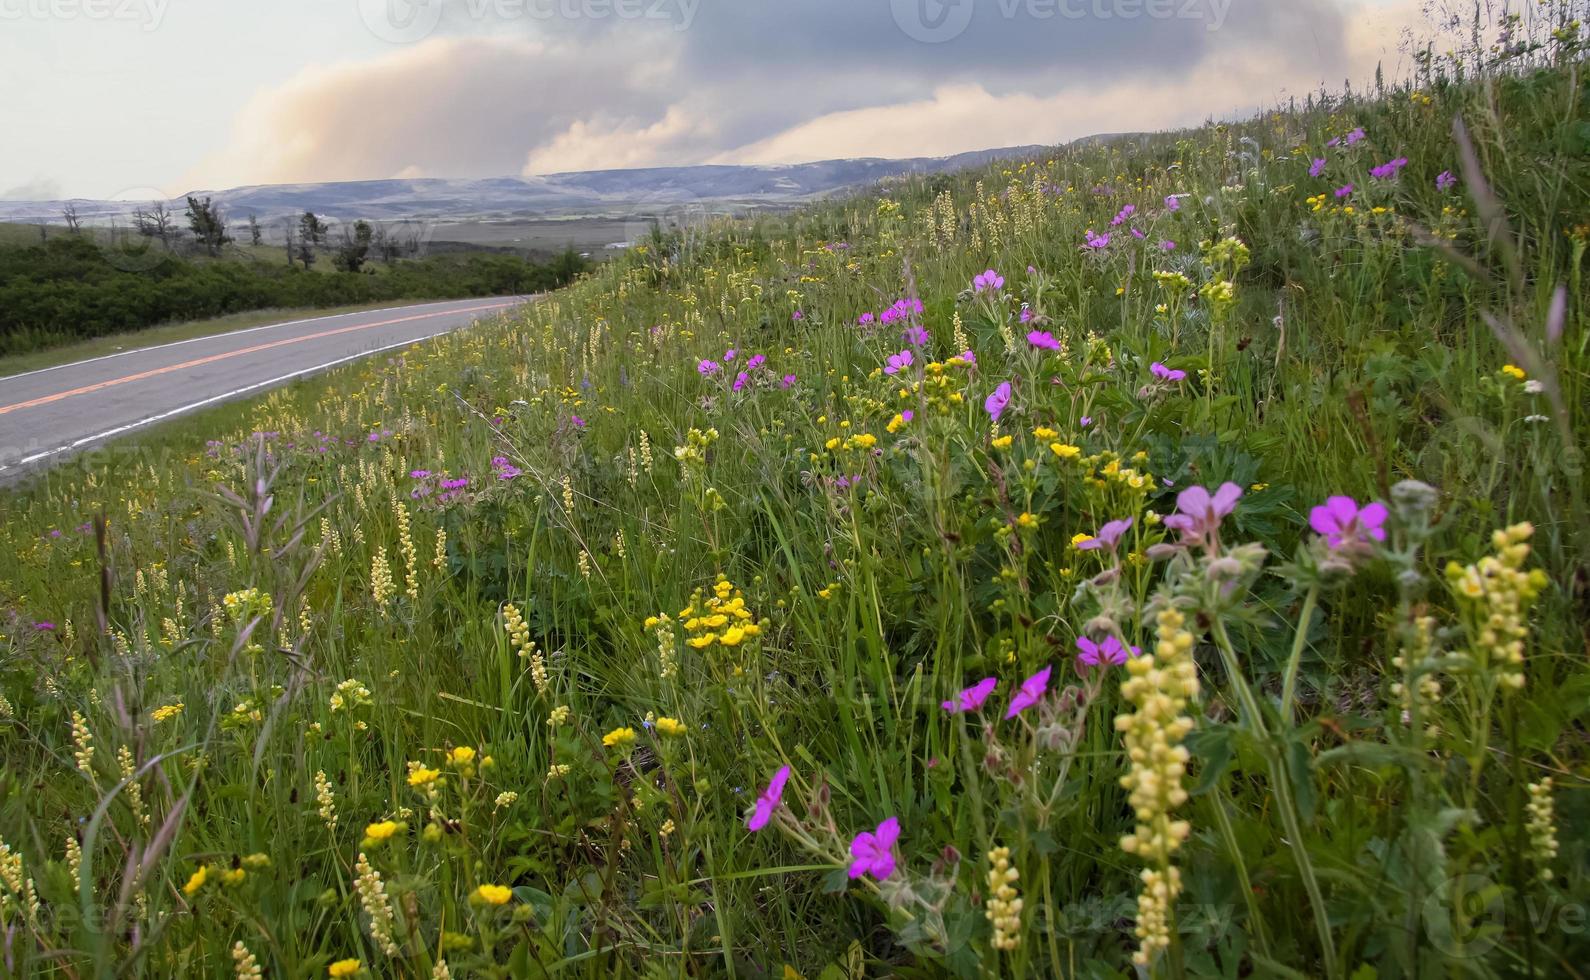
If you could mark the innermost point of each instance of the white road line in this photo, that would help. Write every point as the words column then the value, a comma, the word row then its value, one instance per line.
column 239, row 333
column 110, row 433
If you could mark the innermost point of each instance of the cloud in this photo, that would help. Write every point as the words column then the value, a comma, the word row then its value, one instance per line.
column 778, row 82
column 38, row 189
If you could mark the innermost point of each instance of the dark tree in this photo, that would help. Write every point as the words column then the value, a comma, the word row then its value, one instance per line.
column 208, row 224
column 254, row 237
column 355, row 247
column 74, row 223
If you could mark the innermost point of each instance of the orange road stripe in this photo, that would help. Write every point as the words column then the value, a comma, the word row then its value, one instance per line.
column 142, row 375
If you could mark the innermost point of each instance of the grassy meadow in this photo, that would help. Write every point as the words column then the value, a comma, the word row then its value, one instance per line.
column 1171, row 558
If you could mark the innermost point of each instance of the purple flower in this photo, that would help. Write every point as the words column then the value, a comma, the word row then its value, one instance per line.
column 756, row 361
column 1444, row 181
column 995, row 404
column 579, row 423
column 730, row 354
column 769, row 800
column 1344, row 524
column 1317, row 168
column 968, row 357
column 1199, row 513
column 1109, row 652
column 916, row 336
column 1043, row 340
column 1097, row 242
column 898, row 362
column 797, row 316
column 1085, row 421
column 1173, row 203
column 1031, row 692
column 972, row 698
column 1164, row 373
column 1122, row 215
column 1107, row 537
column 1344, row 191
column 508, row 472
column 987, row 280
column 1388, row 170
column 419, row 474
column 740, row 381
column 44, row 626
column 1167, row 245
column 788, row 381
column 864, row 319
column 1026, row 314
column 707, row 368
column 1139, row 233
column 873, row 853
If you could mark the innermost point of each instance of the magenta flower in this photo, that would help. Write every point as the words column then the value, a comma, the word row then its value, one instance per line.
column 996, row 403
column 756, row 361
column 769, row 800
column 579, row 423
column 898, row 362
column 797, row 316
column 1167, row 245
column 1444, row 181
column 987, row 280
column 1109, row 652
column 1043, row 340
column 1026, row 314
column 1097, row 242
column 864, row 319
column 1031, row 692
column 1344, row 524
column 1085, row 421
column 1344, row 191
column 1173, row 203
column 1139, row 233
column 972, row 698
column 1199, row 512
column 1388, row 170
column 1317, row 168
column 968, row 357
column 1109, row 535
column 873, row 853
column 708, row 368
column 741, row 380
column 1164, row 373
column 916, row 336
column 788, row 381
column 730, row 354
column 1122, row 215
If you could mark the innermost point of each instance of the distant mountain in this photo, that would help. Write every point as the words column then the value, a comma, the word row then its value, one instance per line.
column 585, row 194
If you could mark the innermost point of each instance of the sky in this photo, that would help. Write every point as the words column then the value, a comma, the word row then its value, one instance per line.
column 138, row 99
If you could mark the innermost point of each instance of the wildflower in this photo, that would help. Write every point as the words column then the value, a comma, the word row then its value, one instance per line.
column 1004, row 904
column 1514, row 371
column 377, row 905
column 196, row 880
column 1199, row 514
column 620, row 738
column 344, row 968
column 707, row 368
column 1164, row 373
column 326, row 801
column 972, row 698
column 768, row 801
column 1389, row 169
column 462, row 755
column 1542, row 827
column 898, row 362
column 1344, row 191
column 1498, row 593
column 1107, row 536
column 1065, row 450
column 996, row 403
column 420, row 776
column 873, row 853
column 1317, row 168
column 377, row 833
column 244, row 963
column 1173, row 203
column 987, row 280
column 1043, row 340
column 1030, row 693
column 915, row 336
column 166, row 712
column 1003, row 442
column 1109, row 652
column 1345, row 525
column 1167, row 245
column 1097, row 242
column 1444, row 181
column 491, row 895
column 1160, row 687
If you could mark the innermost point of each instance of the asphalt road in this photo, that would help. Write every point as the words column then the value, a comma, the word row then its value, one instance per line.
column 46, row 415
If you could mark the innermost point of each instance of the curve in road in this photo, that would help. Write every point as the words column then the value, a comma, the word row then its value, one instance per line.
column 54, row 411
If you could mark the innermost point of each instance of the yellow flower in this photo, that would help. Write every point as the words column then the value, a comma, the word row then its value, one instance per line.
column 344, row 968
column 1044, row 432
column 196, row 880
column 1078, row 540
column 461, row 756
column 620, row 737
column 1003, row 442
column 703, row 641
column 1026, row 521
column 166, row 712
column 233, row 876
column 732, row 636
column 670, row 726
column 1065, row 451
column 381, row 831
column 492, row 895
column 1514, row 371
column 423, row 777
